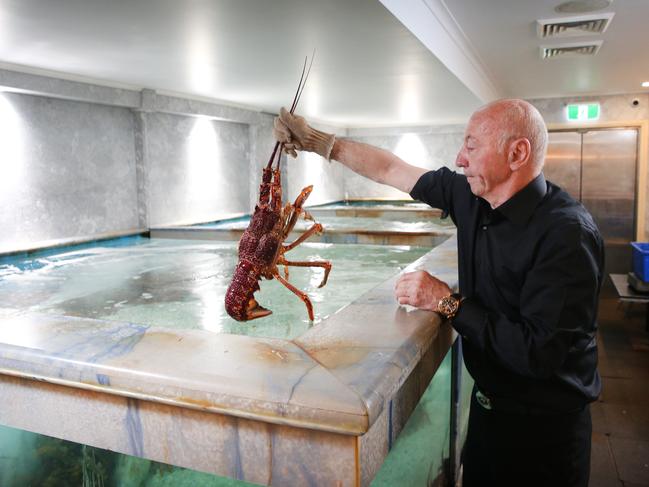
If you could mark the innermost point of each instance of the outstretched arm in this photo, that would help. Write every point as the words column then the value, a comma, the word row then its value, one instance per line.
column 373, row 163
column 376, row 164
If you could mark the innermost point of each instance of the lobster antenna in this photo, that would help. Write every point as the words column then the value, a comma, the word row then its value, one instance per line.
column 293, row 105
column 297, row 100
column 300, row 88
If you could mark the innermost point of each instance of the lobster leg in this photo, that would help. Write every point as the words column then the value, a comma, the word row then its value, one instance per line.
column 297, row 292
column 316, row 228
column 325, row 264
column 297, row 209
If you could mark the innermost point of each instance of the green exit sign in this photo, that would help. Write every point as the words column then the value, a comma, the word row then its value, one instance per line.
column 582, row 112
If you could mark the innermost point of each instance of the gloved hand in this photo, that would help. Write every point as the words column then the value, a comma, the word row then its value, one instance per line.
column 296, row 134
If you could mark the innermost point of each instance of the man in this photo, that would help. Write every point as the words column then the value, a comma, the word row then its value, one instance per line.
column 530, row 269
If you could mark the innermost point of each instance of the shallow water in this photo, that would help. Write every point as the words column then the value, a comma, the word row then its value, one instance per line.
column 375, row 204
column 182, row 283
column 342, row 223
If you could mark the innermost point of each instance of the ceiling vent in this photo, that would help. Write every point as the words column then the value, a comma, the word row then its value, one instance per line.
column 571, row 50
column 574, row 26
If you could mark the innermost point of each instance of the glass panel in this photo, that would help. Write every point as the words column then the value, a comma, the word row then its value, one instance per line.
column 31, row 459
column 420, row 454
column 465, row 404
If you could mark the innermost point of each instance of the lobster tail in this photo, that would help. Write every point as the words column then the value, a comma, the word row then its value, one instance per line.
column 240, row 303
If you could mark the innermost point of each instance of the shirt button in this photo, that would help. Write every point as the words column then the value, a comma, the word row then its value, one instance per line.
column 484, row 227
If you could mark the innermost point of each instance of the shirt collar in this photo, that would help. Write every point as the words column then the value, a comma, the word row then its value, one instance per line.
column 519, row 208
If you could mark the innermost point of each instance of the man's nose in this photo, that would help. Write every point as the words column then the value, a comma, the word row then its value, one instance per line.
column 460, row 160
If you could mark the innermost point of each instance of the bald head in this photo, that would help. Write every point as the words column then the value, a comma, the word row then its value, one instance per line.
column 512, row 119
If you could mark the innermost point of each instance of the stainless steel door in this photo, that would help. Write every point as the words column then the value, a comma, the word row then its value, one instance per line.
column 598, row 168
column 563, row 162
column 608, row 190
column 608, row 181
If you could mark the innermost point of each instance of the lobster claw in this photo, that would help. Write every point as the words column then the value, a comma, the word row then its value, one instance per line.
column 255, row 310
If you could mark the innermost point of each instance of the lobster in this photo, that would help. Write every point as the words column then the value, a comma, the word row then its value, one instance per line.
column 262, row 248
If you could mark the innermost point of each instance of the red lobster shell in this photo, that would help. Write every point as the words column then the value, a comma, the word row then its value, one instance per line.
column 262, row 249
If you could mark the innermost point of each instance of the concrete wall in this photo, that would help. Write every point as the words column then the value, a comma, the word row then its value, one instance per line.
column 429, row 147
column 67, row 169
column 612, row 108
column 327, row 178
column 79, row 161
column 198, row 169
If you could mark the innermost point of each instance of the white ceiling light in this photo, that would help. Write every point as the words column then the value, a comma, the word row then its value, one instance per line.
column 645, row 84
column 581, row 6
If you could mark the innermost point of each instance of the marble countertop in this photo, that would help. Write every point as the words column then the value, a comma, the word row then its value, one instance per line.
column 336, row 377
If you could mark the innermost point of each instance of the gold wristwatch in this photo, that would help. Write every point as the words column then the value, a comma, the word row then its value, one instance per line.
column 449, row 305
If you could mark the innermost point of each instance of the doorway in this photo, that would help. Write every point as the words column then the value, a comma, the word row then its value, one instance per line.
column 598, row 168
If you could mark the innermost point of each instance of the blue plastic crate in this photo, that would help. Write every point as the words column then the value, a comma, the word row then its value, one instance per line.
column 641, row 260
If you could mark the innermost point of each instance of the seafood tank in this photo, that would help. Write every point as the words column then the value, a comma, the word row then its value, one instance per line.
column 417, row 458
column 181, row 284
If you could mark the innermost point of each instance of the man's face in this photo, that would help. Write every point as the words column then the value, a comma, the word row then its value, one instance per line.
column 484, row 164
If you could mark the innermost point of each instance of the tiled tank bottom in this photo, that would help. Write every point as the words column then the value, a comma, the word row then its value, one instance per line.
column 416, row 458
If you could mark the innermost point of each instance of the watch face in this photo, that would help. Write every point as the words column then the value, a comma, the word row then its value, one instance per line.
column 448, row 306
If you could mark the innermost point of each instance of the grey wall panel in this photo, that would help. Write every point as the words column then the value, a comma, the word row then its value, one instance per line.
column 198, row 169
column 67, row 169
column 428, row 150
column 613, row 108
column 311, row 169
column 308, row 169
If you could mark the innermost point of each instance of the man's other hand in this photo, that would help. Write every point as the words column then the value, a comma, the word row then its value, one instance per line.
column 421, row 290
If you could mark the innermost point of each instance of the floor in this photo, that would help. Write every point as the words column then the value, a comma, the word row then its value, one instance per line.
column 620, row 448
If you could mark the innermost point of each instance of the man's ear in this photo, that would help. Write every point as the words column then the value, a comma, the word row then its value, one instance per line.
column 520, row 151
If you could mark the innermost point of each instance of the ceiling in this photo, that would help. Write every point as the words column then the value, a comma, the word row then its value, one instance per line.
column 393, row 62
column 503, row 33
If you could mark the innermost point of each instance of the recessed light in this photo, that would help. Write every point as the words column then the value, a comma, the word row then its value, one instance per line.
column 581, row 6
column 645, row 84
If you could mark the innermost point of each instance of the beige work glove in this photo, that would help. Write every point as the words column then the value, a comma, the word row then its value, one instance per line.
column 296, row 134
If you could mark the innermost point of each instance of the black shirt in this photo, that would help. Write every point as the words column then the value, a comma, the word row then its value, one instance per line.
column 531, row 272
